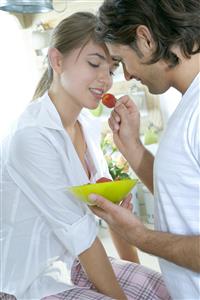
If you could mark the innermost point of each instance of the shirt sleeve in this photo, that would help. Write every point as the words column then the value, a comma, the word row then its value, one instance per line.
column 35, row 166
column 193, row 134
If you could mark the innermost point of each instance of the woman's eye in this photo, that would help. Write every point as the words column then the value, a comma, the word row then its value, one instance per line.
column 113, row 70
column 112, row 73
column 93, row 65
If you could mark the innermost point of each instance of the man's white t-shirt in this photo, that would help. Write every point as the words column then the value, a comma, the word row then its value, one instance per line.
column 177, row 187
column 43, row 227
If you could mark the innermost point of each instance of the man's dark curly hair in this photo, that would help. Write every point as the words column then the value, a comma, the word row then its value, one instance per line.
column 170, row 22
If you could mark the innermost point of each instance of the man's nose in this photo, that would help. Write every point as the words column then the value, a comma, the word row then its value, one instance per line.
column 127, row 75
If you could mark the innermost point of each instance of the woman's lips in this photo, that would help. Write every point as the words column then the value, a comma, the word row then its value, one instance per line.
column 97, row 93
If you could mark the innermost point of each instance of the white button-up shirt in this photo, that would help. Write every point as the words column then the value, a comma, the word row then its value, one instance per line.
column 43, row 227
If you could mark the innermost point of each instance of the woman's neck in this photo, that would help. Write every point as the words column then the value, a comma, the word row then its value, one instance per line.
column 69, row 110
column 66, row 107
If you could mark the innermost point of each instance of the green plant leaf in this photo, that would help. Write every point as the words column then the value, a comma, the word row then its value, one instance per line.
column 98, row 111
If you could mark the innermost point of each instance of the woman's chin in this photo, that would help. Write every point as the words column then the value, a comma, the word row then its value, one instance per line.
column 94, row 105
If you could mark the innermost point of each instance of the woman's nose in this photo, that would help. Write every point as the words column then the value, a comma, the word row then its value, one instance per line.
column 105, row 77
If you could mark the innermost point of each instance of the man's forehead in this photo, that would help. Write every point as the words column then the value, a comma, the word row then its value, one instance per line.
column 114, row 52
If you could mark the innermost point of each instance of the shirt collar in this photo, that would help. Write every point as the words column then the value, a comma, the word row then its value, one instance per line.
column 48, row 115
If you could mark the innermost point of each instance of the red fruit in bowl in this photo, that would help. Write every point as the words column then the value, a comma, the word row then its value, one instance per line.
column 109, row 100
column 103, row 179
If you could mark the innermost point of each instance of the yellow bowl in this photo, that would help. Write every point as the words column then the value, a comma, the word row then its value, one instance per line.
column 114, row 191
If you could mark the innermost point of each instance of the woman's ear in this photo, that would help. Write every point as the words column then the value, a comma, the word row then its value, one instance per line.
column 55, row 60
column 145, row 41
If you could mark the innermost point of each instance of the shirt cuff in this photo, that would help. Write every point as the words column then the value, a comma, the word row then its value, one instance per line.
column 79, row 236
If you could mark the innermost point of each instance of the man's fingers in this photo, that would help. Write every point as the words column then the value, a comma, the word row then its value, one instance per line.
column 130, row 206
column 127, row 200
column 127, row 102
column 99, row 212
column 128, row 197
column 114, row 121
column 113, row 124
column 115, row 116
column 126, row 203
column 103, row 209
column 124, row 99
column 102, row 202
column 122, row 111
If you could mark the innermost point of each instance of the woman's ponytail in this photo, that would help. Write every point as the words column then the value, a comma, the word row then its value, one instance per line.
column 43, row 85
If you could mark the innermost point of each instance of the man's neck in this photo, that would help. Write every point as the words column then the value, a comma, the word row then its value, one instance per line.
column 185, row 72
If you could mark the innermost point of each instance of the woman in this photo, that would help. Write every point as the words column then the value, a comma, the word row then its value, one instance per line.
column 50, row 237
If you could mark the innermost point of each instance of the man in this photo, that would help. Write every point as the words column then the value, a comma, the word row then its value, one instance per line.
column 158, row 43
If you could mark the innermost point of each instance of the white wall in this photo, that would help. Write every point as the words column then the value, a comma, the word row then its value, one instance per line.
column 18, row 71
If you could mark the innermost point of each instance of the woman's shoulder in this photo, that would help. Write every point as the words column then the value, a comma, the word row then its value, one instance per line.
column 27, row 118
column 37, row 118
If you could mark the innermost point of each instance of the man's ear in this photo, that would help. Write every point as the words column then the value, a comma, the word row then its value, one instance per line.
column 145, row 41
column 55, row 60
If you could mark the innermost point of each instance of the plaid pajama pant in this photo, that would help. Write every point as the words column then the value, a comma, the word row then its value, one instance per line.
column 137, row 281
column 4, row 296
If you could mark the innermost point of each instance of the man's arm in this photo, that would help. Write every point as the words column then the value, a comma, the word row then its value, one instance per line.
column 143, row 165
column 179, row 249
column 125, row 123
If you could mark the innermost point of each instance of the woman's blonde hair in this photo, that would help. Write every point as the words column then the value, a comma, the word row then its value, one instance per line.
column 71, row 33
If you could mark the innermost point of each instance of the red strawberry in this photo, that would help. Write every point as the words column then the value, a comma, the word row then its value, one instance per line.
column 109, row 100
column 103, row 179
